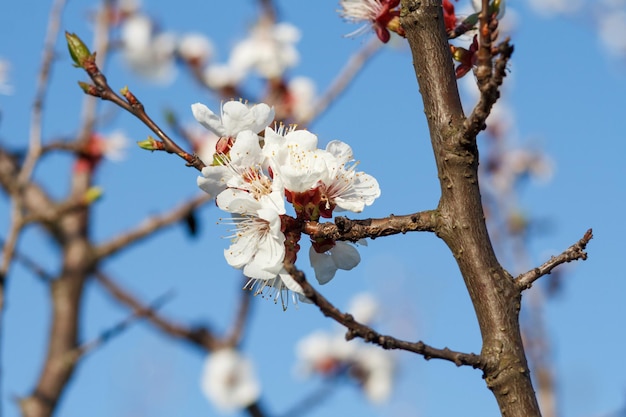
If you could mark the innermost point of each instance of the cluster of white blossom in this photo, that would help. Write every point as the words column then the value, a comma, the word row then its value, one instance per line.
column 328, row 354
column 251, row 177
column 229, row 380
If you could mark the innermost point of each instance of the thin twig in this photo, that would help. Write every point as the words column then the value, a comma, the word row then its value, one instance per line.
column 150, row 226
column 34, row 148
column 573, row 253
column 117, row 329
column 236, row 333
column 356, row 329
column 33, row 266
column 343, row 80
column 200, row 337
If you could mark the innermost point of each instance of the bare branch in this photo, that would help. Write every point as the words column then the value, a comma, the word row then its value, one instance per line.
column 241, row 318
column 30, row 264
column 353, row 230
column 200, row 337
column 356, row 329
column 149, row 226
column 573, row 253
column 117, row 329
column 34, row 148
column 344, row 79
column 489, row 92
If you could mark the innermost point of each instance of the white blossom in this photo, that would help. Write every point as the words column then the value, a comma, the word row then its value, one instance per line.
column 269, row 50
column 148, row 53
column 364, row 308
column 330, row 355
column 235, row 117
column 5, row 87
column 195, row 48
column 229, row 381
column 347, row 188
column 341, row 256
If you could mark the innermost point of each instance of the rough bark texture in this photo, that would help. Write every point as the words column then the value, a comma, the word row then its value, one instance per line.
column 462, row 226
column 66, row 294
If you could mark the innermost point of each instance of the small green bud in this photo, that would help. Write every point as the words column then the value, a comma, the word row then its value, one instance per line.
column 93, row 194
column 78, row 50
column 150, row 144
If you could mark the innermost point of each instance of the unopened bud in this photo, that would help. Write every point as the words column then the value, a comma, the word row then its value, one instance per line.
column 78, row 50
column 150, row 144
column 93, row 194
column 90, row 89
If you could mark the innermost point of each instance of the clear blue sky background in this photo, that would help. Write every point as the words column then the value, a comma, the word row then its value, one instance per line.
column 569, row 97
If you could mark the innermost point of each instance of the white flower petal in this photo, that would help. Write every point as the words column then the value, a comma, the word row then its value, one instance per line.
column 345, row 255
column 323, row 265
column 208, row 119
column 229, row 380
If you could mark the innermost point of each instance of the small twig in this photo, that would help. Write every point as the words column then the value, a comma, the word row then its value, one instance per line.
column 150, row 226
column 30, row 264
column 311, row 400
column 484, row 63
column 353, row 230
column 200, row 337
column 241, row 318
column 117, row 329
column 344, row 79
column 573, row 253
column 34, row 148
column 489, row 93
column 356, row 329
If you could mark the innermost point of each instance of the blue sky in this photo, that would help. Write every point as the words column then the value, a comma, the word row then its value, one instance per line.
column 568, row 96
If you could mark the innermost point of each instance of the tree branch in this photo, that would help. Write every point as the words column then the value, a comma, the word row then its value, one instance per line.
column 492, row 291
column 354, row 230
column 356, row 329
column 573, row 253
column 200, row 337
column 344, row 79
column 149, row 226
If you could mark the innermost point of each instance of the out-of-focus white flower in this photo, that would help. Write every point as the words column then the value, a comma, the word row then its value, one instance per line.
column 516, row 164
column 612, row 27
column 195, row 48
column 375, row 370
column 114, row 146
column 235, row 117
column 269, row 50
column 554, row 7
column 229, row 381
column 218, row 76
column 203, row 141
column 150, row 55
column 128, row 7
column 478, row 5
column 331, row 355
column 364, row 308
column 5, row 87
column 302, row 95
column 341, row 256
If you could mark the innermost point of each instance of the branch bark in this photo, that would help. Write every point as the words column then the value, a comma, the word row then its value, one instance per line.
column 492, row 290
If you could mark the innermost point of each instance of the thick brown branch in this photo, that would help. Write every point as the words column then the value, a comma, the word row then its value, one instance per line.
column 573, row 253
column 150, row 226
column 354, row 230
column 493, row 293
column 356, row 329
